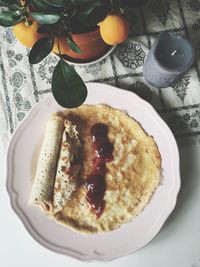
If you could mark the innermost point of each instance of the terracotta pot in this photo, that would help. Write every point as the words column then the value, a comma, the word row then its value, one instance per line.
column 90, row 43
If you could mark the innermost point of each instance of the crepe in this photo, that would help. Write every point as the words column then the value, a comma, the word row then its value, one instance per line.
column 68, row 168
column 132, row 176
column 43, row 185
column 66, row 161
column 58, row 166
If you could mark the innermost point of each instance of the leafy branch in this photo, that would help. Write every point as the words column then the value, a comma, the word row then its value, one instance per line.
column 58, row 19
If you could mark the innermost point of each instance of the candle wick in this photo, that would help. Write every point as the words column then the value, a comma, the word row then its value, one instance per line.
column 174, row 52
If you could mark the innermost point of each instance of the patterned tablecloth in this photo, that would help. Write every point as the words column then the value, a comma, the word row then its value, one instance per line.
column 22, row 85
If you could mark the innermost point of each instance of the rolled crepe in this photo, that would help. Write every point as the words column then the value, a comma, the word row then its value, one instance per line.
column 43, row 186
column 68, row 167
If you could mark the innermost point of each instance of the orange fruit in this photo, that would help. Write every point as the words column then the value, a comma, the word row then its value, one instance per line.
column 63, row 45
column 27, row 34
column 114, row 29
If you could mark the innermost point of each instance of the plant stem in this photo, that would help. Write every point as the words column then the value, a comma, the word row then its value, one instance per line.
column 24, row 3
column 60, row 55
column 115, row 6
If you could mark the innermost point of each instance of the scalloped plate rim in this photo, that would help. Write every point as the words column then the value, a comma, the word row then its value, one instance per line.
column 69, row 252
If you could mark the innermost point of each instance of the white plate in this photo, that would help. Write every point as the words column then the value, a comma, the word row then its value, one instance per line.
column 21, row 163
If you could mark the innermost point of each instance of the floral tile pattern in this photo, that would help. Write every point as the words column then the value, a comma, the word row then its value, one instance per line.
column 181, row 86
column 131, row 55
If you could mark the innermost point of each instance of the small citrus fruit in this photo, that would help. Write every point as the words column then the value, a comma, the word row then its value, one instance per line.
column 114, row 29
column 27, row 34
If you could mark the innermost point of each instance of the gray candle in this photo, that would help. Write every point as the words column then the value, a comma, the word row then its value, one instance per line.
column 170, row 56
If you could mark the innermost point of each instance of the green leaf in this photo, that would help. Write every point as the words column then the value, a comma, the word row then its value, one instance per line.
column 41, row 49
column 9, row 18
column 56, row 3
column 67, row 86
column 131, row 3
column 45, row 28
column 8, row 3
column 98, row 14
column 129, row 15
column 116, row 5
column 89, row 8
column 18, row 11
column 45, row 18
column 80, row 2
column 40, row 5
column 74, row 47
column 46, row 4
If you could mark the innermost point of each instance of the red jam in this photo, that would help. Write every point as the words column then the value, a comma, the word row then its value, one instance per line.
column 95, row 182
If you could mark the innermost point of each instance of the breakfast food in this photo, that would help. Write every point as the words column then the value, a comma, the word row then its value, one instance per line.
column 42, row 189
column 57, row 169
column 68, row 167
column 112, row 170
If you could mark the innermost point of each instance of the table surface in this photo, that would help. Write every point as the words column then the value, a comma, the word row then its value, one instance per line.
column 22, row 85
column 177, row 244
